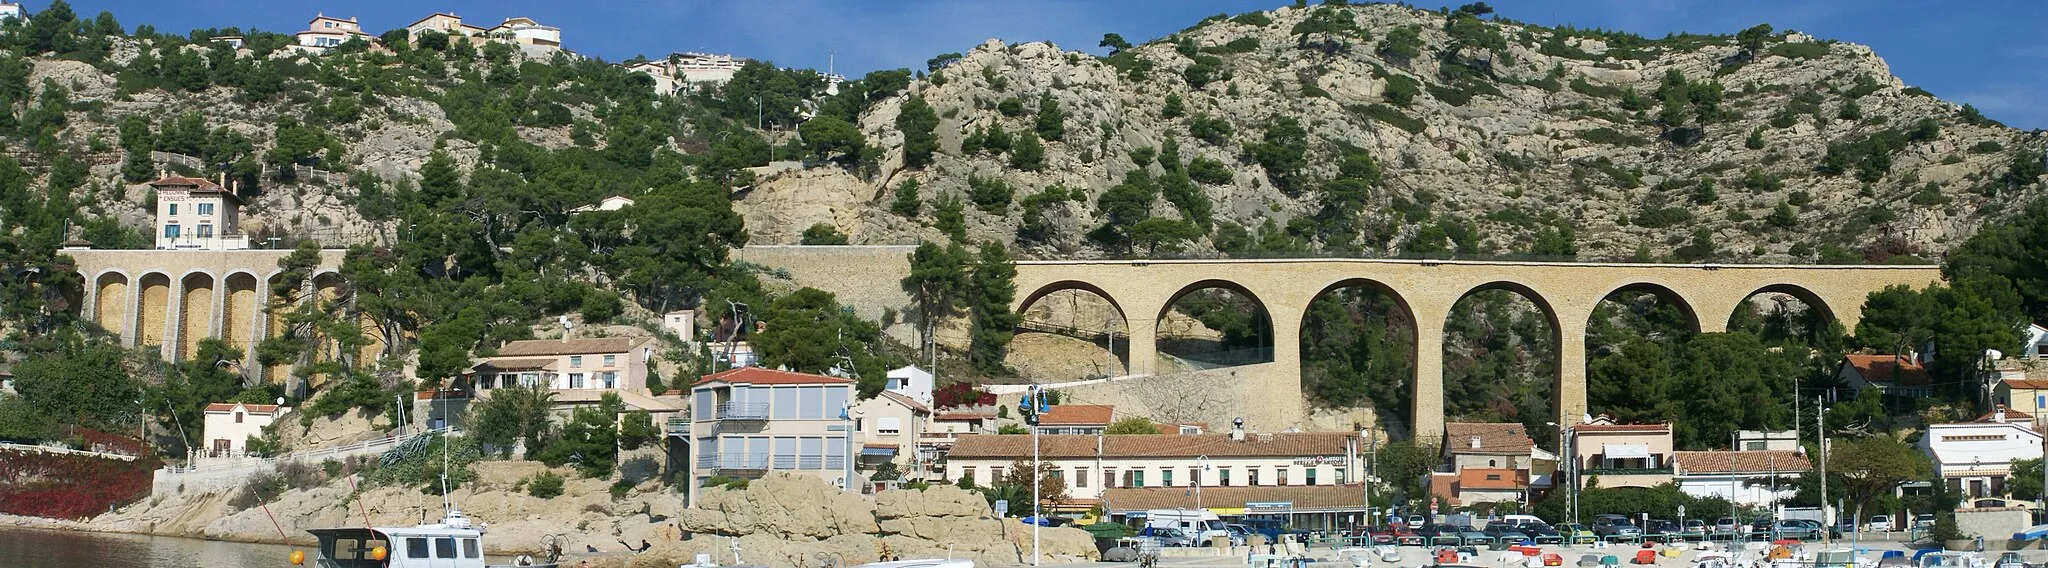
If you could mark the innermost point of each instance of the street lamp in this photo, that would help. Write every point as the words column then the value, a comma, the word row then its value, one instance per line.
column 1029, row 408
column 1565, row 458
column 1201, row 470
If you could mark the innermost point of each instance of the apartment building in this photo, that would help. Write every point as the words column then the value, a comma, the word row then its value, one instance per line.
column 197, row 214
column 748, row 421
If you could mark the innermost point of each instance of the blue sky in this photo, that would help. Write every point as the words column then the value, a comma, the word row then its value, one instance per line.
column 1989, row 53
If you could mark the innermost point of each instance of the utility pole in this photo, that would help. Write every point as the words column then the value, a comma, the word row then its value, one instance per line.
column 1029, row 408
column 1820, row 426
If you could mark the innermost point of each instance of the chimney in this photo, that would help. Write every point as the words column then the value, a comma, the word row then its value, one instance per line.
column 1475, row 442
column 1998, row 415
column 1237, row 430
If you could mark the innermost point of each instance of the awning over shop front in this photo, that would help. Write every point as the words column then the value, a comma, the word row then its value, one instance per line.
column 1625, row 451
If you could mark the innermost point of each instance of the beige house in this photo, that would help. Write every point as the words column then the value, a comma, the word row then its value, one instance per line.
column 1622, row 455
column 890, row 425
column 1091, row 464
column 197, row 214
column 1491, row 462
column 589, row 364
column 326, row 32
column 525, row 31
column 229, row 425
column 2027, row 396
column 445, row 23
column 748, row 421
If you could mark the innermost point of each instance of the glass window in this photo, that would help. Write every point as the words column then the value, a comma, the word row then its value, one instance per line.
column 204, row 208
column 968, row 472
column 785, row 452
column 611, row 360
column 238, row 418
column 416, row 547
column 444, row 547
column 1165, row 477
column 810, row 403
column 575, row 361
column 1251, row 476
column 174, row 209
column 1194, row 476
column 1137, row 478
column 1280, row 475
column 888, row 425
column 810, row 453
column 1308, row 476
column 704, row 404
column 171, row 230
column 1108, row 478
column 835, row 453
column 835, row 401
column 205, row 231
column 470, row 549
column 611, row 379
column 346, row 549
column 784, row 404
column 575, row 380
column 1081, row 477
column 1222, row 477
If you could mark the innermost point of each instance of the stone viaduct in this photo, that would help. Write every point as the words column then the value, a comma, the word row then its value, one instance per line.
column 174, row 299
column 1269, row 394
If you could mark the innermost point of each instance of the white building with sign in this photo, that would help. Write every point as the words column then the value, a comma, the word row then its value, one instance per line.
column 1092, row 464
column 1975, row 457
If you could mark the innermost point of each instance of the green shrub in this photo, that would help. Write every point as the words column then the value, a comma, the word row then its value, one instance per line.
column 1807, row 50
column 1401, row 90
column 1215, row 131
column 1987, row 147
column 545, row 485
column 620, row 488
column 1208, row 171
column 1580, row 85
column 991, row 195
column 1392, row 116
column 1655, row 217
column 1253, row 19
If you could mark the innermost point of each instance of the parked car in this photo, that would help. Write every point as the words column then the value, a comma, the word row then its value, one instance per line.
column 1693, row 528
column 1417, row 520
column 1373, row 535
column 1615, row 526
column 1429, row 533
column 1238, row 532
column 1501, row 531
column 1541, row 532
column 1923, row 521
column 1661, row 529
column 1469, row 535
column 1726, row 525
column 1879, row 523
column 1273, row 529
column 1167, row 536
column 1795, row 529
column 1576, row 533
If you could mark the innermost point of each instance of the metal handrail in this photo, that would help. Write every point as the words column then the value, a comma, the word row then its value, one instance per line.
column 743, row 411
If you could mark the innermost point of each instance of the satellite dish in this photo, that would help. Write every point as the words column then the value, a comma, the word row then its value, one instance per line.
column 1585, row 419
column 564, row 319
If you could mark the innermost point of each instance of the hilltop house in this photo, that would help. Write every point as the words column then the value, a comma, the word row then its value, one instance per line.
column 607, row 363
column 229, row 425
column 749, row 421
column 12, row 10
column 520, row 30
column 678, row 72
column 1975, row 457
column 1899, row 375
column 196, row 214
column 325, row 32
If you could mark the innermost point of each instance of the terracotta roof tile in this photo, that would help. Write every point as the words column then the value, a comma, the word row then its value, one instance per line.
column 1590, row 428
column 1303, row 497
column 1896, row 369
column 584, row 346
column 760, row 376
column 1495, row 438
column 907, row 402
column 960, row 416
column 2010, row 415
column 1077, row 415
column 516, row 363
column 2035, row 384
column 1754, row 461
column 1285, row 444
column 252, row 408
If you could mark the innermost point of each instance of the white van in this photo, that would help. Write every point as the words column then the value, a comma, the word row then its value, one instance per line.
column 1201, row 524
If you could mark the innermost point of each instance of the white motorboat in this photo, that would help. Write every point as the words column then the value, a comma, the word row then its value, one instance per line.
column 451, row 543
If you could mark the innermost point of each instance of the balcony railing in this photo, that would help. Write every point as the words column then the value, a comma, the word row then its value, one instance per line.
column 678, row 427
column 742, row 463
column 723, row 463
column 1627, row 471
column 743, row 411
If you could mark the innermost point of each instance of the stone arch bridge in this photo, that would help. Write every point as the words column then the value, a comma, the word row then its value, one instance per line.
column 1269, row 394
column 172, row 299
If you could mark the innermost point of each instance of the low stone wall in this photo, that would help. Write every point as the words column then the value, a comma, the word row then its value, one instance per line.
column 1994, row 525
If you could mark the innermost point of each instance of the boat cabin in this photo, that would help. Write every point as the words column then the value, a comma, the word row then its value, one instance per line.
column 401, row 548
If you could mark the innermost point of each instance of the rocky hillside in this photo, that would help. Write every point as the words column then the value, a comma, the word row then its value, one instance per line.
column 1386, row 130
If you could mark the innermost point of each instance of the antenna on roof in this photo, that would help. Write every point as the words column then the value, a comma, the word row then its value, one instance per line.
column 566, row 326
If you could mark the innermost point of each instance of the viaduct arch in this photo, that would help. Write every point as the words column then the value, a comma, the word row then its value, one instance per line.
column 1268, row 394
column 173, row 299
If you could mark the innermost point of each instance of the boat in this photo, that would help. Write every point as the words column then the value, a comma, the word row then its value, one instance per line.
column 1951, row 559
column 452, row 543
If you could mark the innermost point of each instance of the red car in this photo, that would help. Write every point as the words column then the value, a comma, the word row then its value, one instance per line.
column 1393, row 534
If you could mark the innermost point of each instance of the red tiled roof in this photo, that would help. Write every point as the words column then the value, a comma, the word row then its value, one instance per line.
column 1077, row 415
column 2010, row 415
column 1485, row 478
column 1753, row 461
column 1303, row 497
column 1165, row 428
column 760, row 376
column 194, row 185
column 1896, row 369
column 1495, row 438
column 252, row 408
column 956, row 416
column 2035, row 384
column 907, row 402
column 585, row 346
column 1622, row 428
column 1284, row 444
column 515, row 363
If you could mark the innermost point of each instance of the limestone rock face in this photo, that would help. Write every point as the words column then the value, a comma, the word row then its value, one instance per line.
column 781, row 505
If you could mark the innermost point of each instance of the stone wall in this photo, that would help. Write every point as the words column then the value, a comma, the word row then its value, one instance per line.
column 1995, row 525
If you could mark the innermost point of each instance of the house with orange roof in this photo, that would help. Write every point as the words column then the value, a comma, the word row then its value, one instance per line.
column 890, row 425
column 197, row 214
column 228, row 426
column 1758, row 478
column 2022, row 394
column 748, row 421
column 1077, row 419
column 1510, row 462
column 1621, row 455
column 1897, row 375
